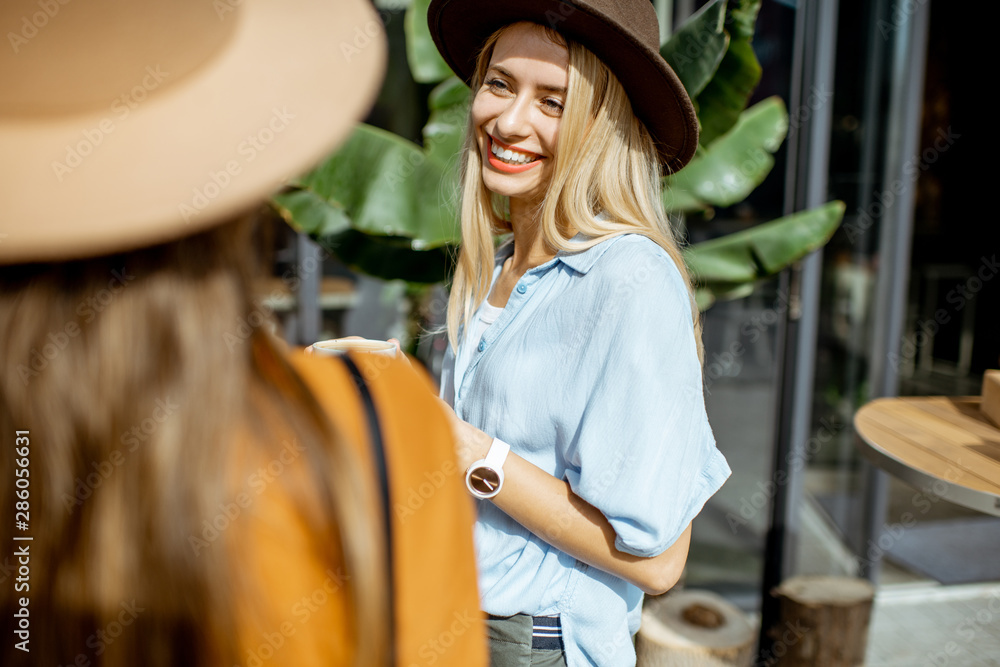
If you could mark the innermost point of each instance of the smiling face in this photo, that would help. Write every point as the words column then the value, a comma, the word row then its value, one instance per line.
column 517, row 111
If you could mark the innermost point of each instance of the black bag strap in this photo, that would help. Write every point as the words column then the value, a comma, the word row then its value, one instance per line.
column 382, row 471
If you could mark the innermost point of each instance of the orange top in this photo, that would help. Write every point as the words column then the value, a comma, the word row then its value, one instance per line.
column 438, row 619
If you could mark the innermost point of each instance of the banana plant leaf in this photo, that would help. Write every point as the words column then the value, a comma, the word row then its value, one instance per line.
column 724, row 267
column 706, row 297
column 386, row 257
column 390, row 257
column 698, row 46
column 722, row 100
column 426, row 64
column 307, row 212
column 743, row 20
column 729, row 170
column 386, row 186
column 445, row 129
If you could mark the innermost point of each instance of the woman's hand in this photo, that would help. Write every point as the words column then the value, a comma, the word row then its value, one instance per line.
column 548, row 508
column 471, row 444
column 399, row 352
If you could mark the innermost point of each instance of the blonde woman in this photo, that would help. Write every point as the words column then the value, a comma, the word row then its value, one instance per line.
column 575, row 362
column 176, row 487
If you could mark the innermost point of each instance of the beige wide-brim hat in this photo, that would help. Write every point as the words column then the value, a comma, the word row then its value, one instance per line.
column 126, row 123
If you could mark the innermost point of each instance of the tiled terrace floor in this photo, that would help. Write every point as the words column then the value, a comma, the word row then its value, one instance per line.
column 922, row 624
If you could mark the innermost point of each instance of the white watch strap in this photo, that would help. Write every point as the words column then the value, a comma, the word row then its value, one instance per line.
column 497, row 454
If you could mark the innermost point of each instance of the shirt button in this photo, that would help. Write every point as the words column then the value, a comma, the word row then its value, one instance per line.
column 522, row 288
column 482, row 345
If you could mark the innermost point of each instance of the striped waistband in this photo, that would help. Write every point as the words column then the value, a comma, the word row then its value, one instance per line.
column 546, row 632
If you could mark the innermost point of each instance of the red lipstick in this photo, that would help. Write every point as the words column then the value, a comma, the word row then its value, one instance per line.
column 503, row 166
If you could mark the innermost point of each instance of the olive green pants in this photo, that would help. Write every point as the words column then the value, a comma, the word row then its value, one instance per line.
column 525, row 641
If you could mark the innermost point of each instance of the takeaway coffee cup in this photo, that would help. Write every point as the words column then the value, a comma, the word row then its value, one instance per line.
column 337, row 346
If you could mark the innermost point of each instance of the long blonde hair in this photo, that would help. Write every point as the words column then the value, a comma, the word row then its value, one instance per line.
column 139, row 377
column 606, row 161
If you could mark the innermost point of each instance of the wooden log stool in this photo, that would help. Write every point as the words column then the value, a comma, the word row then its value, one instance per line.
column 824, row 622
column 694, row 629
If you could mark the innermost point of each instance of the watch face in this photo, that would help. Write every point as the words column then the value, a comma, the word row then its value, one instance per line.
column 484, row 480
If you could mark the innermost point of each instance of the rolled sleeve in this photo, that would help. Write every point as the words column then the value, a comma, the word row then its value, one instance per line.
column 644, row 453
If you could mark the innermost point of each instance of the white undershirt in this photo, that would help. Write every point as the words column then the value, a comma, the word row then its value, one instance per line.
column 488, row 314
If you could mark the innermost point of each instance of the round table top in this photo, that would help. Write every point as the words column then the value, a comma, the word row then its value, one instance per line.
column 942, row 445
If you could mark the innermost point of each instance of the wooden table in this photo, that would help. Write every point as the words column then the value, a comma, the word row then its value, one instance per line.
column 940, row 444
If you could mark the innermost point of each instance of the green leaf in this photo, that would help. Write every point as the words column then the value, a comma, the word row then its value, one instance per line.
column 743, row 19
column 388, row 186
column 791, row 238
column 697, row 48
column 307, row 212
column 679, row 197
column 426, row 64
column 451, row 92
column 722, row 264
column 729, row 170
column 705, row 298
column 445, row 129
column 726, row 95
column 385, row 257
column 390, row 257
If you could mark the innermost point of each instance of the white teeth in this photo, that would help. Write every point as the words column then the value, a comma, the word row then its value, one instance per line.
column 509, row 155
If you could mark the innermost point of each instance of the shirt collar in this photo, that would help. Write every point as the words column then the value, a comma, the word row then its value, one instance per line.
column 584, row 260
column 581, row 261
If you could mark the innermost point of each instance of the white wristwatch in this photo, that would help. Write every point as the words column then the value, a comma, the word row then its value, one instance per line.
column 484, row 478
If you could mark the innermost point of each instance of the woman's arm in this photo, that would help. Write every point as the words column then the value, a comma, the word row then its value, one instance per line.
column 547, row 507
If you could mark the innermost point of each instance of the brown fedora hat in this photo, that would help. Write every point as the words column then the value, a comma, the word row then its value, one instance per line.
column 624, row 34
column 125, row 123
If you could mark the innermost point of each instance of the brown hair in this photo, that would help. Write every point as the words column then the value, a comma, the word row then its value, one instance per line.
column 139, row 376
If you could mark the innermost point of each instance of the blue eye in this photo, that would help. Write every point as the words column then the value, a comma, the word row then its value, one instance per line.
column 553, row 105
column 496, row 84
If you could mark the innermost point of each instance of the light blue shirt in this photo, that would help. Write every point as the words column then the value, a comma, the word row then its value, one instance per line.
column 591, row 373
